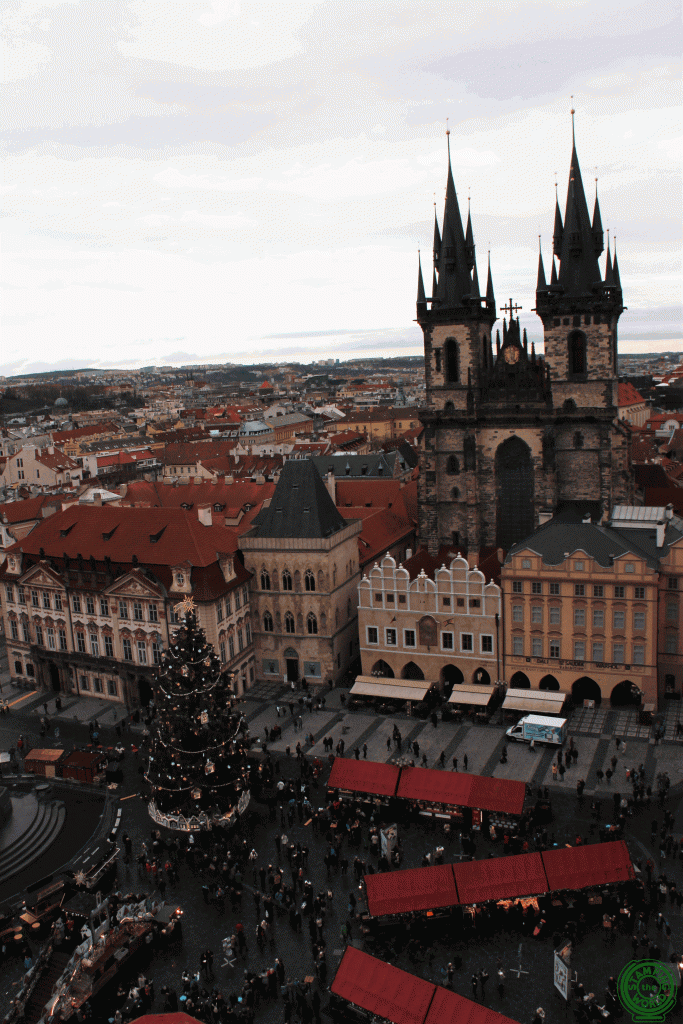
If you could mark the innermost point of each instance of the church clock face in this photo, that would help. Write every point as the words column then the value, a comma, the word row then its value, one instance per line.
column 511, row 355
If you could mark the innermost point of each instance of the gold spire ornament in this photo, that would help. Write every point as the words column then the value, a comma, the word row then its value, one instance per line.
column 185, row 606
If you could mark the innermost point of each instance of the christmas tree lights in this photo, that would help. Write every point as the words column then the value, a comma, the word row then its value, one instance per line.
column 197, row 766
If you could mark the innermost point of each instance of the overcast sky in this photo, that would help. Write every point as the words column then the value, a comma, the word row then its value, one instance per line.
column 211, row 180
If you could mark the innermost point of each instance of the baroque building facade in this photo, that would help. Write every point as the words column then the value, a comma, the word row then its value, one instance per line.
column 507, row 434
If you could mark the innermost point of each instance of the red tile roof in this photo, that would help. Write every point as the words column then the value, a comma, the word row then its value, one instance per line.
column 628, row 395
column 231, row 496
column 56, row 461
column 108, row 427
column 30, row 508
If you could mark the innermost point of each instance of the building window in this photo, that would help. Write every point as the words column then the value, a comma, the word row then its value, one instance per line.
column 671, row 643
column 618, row 653
column 311, row 623
column 153, row 613
column 598, row 590
column 518, row 613
column 555, row 589
column 286, row 580
column 536, row 587
column 123, row 610
column 537, row 613
column 639, row 593
column 373, row 635
column 180, row 579
column 80, row 642
column 639, row 620
column 13, row 629
column 104, row 607
column 579, row 566
column 526, row 563
column 90, row 606
column 486, row 644
column 619, row 591
column 619, row 620
column 137, row 611
column 221, row 649
column 630, row 567
column 517, row 587
column 156, row 652
column 108, row 646
column 391, row 638
column 598, row 619
column 231, row 646
column 672, row 583
column 127, row 649
column 671, row 611
column 240, row 640
column 39, row 634
column 638, row 654
column 447, row 641
column 289, row 622
column 518, row 645
column 46, row 599
column 267, row 622
column 579, row 650
column 76, row 603
column 85, row 685
column 219, row 610
column 238, row 600
column 26, row 633
column 446, row 601
column 21, row 596
column 94, row 645
column 9, row 592
column 576, row 344
column 536, row 647
column 142, row 652
column 97, row 684
column 265, row 580
column 474, row 602
column 112, row 689
column 466, row 642
column 579, row 590
column 309, row 580
column 409, row 638
column 598, row 652
column 554, row 649
column 62, row 640
column 34, row 599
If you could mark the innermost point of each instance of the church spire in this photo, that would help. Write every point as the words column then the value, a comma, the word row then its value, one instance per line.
column 558, row 230
column 490, row 297
column 421, row 300
column 553, row 275
column 437, row 239
column 454, row 275
column 609, row 272
column 476, row 295
column 615, row 267
column 598, row 233
column 579, row 270
column 469, row 239
column 541, row 283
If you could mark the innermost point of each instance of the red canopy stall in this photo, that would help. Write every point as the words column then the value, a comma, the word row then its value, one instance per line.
column 381, row 989
column 449, row 1008
column 371, row 777
column 400, row 892
column 500, row 878
column 582, row 867
column 446, row 793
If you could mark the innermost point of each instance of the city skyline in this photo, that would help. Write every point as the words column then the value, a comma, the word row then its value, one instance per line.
column 250, row 182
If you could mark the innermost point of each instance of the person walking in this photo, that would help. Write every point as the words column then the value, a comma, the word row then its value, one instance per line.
column 483, row 978
column 475, row 985
column 554, row 772
column 501, row 983
column 365, row 751
column 465, row 762
column 455, row 764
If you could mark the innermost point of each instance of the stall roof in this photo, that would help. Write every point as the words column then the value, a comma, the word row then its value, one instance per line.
column 49, row 756
column 440, row 787
column 364, row 776
column 166, row 1018
column 480, row 695
column 84, row 758
column 397, row 892
column 399, row 689
column 540, row 702
column 381, row 988
column 450, row 1008
column 500, row 878
column 579, row 867
column 500, row 796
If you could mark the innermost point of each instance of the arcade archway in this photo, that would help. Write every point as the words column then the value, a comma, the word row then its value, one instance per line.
column 586, row 688
column 412, row 671
column 548, row 683
column 626, row 695
column 520, row 681
column 382, row 669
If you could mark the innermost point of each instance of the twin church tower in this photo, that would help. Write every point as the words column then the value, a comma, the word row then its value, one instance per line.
column 508, row 434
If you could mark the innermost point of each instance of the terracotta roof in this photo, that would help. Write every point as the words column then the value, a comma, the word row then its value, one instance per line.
column 190, row 452
column 55, row 461
column 30, row 508
column 628, row 395
column 108, row 427
column 230, row 496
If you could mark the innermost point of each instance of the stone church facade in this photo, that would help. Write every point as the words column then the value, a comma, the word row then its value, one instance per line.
column 509, row 435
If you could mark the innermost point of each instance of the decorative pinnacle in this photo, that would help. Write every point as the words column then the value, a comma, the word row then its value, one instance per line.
column 572, row 113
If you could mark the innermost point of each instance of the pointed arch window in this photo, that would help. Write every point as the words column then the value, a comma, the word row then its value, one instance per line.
column 267, row 622
column 309, row 580
column 289, row 623
column 286, row 580
column 452, row 359
column 311, row 623
column 576, row 343
column 453, row 465
column 265, row 579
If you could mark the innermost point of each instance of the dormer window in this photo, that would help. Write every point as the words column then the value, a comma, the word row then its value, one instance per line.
column 180, row 579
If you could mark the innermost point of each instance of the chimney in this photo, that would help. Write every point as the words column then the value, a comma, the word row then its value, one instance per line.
column 97, row 498
column 204, row 515
column 331, row 484
column 586, row 519
column 544, row 516
column 669, row 511
column 409, row 553
column 661, row 530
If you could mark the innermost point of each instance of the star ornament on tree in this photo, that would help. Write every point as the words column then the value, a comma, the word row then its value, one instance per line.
column 185, row 606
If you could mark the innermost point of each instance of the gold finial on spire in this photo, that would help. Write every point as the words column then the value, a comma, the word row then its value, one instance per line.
column 572, row 113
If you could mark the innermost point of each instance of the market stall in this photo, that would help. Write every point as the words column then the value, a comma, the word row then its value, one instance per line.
column 83, row 765
column 582, row 867
column 481, row 881
column 411, row 891
column 44, row 762
column 535, row 702
column 373, row 778
column 449, row 1008
column 366, row 988
column 477, row 701
column 447, row 795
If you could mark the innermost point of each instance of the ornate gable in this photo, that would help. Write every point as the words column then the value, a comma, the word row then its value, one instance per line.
column 42, row 575
column 134, row 584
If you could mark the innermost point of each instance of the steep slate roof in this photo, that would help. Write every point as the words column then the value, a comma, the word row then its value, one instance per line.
column 601, row 543
column 377, row 465
column 301, row 505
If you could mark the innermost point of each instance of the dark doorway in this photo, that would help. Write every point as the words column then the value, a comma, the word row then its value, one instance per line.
column 549, row 683
column 451, row 675
column 514, row 493
column 520, row 681
column 293, row 670
column 55, row 681
column 144, row 692
column 626, row 695
column 481, row 677
column 381, row 669
column 412, row 671
column 586, row 688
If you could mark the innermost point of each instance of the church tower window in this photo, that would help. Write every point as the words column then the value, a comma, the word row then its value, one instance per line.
column 453, row 466
column 452, row 361
column 577, row 352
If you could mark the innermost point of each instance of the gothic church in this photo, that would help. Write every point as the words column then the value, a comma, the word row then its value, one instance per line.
column 508, row 434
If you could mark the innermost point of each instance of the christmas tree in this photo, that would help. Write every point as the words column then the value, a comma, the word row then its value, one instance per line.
column 197, row 766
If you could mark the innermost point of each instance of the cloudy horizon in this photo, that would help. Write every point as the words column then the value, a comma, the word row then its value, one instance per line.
column 250, row 182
